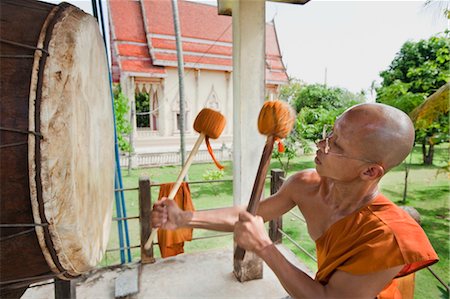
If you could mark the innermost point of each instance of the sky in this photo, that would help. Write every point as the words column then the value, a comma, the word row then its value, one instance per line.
column 350, row 41
column 343, row 43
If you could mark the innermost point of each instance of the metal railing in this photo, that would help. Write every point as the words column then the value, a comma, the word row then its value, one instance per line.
column 145, row 206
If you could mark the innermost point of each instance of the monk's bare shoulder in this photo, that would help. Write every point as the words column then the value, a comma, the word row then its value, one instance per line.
column 305, row 179
column 303, row 184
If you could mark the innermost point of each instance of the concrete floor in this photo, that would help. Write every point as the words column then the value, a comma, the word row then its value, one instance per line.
column 199, row 275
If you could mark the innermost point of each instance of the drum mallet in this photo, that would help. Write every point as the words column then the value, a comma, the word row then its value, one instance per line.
column 275, row 120
column 210, row 124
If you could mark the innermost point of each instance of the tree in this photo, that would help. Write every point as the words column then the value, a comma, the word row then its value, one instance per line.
column 317, row 105
column 431, row 114
column 290, row 91
column 123, row 127
column 417, row 71
column 318, row 95
column 290, row 145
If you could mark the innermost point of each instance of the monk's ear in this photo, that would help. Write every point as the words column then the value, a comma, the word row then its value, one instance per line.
column 372, row 172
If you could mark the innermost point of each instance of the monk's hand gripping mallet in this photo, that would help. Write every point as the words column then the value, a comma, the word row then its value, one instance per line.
column 275, row 120
column 210, row 124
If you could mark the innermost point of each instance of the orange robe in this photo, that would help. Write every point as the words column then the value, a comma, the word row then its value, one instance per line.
column 171, row 242
column 376, row 237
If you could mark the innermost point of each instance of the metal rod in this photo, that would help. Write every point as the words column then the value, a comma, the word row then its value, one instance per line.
column 212, row 236
column 125, row 218
column 17, row 56
column 23, row 224
column 196, row 182
column 94, row 9
column 438, row 278
column 13, row 144
column 10, row 42
column 31, row 278
column 21, row 131
column 298, row 216
column 297, row 245
column 17, row 234
column 123, row 248
column 40, row 285
column 190, row 183
column 126, row 189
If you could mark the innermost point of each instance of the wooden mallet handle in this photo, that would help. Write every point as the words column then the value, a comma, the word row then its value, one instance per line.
column 258, row 187
column 275, row 120
column 178, row 182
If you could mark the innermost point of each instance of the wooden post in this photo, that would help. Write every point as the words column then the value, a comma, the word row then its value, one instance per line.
column 275, row 184
column 65, row 289
column 145, row 210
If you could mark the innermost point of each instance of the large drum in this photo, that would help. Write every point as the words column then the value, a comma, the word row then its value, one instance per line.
column 56, row 143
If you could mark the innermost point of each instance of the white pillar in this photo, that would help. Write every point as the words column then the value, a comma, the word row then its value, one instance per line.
column 248, row 93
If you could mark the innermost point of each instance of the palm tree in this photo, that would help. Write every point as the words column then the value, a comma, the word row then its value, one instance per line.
column 432, row 108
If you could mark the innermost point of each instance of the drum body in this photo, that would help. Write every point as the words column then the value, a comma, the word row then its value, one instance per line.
column 56, row 143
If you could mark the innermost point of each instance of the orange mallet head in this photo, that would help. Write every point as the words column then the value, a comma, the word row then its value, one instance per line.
column 210, row 123
column 276, row 118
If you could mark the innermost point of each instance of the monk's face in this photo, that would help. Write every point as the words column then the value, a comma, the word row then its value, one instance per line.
column 345, row 157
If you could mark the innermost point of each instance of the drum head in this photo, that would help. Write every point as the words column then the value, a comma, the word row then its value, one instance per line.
column 73, row 164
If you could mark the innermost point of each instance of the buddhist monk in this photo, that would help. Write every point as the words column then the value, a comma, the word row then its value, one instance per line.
column 363, row 240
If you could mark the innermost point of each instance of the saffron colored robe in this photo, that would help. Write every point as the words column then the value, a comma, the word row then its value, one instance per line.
column 376, row 237
column 171, row 242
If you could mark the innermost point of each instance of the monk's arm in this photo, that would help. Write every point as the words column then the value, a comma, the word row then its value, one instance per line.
column 341, row 284
column 216, row 219
column 224, row 219
column 167, row 215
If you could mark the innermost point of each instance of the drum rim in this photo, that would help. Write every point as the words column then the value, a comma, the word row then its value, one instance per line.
column 73, row 257
column 55, row 16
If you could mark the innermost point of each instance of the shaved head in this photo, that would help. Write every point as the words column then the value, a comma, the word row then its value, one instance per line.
column 384, row 134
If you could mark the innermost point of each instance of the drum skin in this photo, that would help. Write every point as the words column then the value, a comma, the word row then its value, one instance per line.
column 57, row 138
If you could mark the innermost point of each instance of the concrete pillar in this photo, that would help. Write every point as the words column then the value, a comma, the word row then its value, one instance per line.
column 248, row 97
column 128, row 89
column 162, row 119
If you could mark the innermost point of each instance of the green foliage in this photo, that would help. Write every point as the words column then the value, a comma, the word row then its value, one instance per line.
column 421, row 66
column 417, row 71
column 318, row 95
column 290, row 151
column 142, row 106
column 212, row 175
column 317, row 105
column 123, row 127
column 398, row 95
column 291, row 91
column 310, row 121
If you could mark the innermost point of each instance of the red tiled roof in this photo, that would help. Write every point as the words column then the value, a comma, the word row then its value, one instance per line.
column 206, row 39
column 127, row 22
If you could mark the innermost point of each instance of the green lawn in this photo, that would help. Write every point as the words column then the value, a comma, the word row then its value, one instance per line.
column 428, row 192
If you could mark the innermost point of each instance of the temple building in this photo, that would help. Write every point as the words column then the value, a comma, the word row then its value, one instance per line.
column 144, row 62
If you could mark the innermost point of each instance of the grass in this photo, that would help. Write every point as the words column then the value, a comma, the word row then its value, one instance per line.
column 428, row 192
